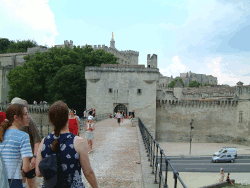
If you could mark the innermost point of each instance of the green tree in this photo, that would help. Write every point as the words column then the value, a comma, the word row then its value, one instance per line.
column 194, row 84
column 173, row 82
column 4, row 44
column 207, row 84
column 69, row 85
column 41, row 77
column 20, row 46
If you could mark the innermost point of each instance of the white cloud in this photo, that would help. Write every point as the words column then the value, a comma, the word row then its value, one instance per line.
column 215, row 70
column 175, row 68
column 33, row 16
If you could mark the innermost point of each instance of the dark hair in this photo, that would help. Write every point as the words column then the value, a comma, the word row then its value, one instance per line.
column 12, row 110
column 58, row 116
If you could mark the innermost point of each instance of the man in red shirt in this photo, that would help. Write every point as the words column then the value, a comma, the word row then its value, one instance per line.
column 2, row 117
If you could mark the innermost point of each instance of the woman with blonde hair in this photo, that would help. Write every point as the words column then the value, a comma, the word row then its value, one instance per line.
column 15, row 144
column 72, row 150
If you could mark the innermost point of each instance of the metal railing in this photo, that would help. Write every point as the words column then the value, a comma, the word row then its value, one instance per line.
column 158, row 159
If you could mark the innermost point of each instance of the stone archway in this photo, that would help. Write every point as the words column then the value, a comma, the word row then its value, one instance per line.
column 121, row 108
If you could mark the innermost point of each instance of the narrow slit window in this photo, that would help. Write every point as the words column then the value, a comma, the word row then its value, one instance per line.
column 240, row 116
column 138, row 91
column 110, row 90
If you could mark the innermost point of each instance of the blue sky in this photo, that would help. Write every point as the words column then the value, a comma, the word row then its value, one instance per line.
column 203, row 36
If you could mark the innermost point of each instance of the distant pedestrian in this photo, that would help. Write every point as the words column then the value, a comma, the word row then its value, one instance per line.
column 122, row 117
column 73, row 123
column 228, row 180
column 91, row 112
column 89, row 128
column 118, row 116
column 85, row 114
column 222, row 173
column 132, row 117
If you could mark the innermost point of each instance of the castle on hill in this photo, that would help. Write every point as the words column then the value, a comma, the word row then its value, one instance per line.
column 220, row 113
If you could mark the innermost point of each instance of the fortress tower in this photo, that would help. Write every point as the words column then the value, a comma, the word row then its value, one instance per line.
column 112, row 42
column 152, row 61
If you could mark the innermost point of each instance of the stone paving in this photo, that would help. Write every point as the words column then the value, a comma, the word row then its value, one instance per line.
column 114, row 156
column 116, row 150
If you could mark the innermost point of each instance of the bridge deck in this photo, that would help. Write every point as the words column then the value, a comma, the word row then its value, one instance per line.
column 115, row 151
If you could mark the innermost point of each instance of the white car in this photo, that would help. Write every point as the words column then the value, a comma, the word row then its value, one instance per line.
column 227, row 150
column 223, row 158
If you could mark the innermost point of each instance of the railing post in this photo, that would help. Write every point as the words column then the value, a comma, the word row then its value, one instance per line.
column 156, row 164
column 153, row 158
column 175, row 178
column 166, row 173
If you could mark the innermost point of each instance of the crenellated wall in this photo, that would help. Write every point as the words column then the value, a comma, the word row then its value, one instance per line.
column 214, row 120
column 128, row 57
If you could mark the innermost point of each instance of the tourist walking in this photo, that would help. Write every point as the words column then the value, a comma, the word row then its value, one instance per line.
column 72, row 151
column 15, row 144
column 73, row 123
column 118, row 116
column 35, row 141
column 228, row 180
column 132, row 117
column 85, row 114
column 93, row 114
column 89, row 128
column 122, row 117
column 222, row 173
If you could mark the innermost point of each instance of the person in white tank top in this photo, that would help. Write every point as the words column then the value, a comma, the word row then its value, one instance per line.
column 89, row 128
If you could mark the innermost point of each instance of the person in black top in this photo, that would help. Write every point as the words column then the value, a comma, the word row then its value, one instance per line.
column 91, row 112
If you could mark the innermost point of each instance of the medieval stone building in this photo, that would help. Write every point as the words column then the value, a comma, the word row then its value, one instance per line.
column 220, row 113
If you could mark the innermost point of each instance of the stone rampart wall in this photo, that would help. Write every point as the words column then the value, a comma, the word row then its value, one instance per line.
column 127, row 57
column 214, row 121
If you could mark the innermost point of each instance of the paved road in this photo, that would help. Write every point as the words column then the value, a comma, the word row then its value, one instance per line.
column 204, row 164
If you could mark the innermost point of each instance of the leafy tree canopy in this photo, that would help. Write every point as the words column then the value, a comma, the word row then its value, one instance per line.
column 58, row 74
column 7, row 46
column 194, row 84
column 207, row 84
column 173, row 82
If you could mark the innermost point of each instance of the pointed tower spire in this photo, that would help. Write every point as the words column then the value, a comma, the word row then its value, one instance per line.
column 112, row 42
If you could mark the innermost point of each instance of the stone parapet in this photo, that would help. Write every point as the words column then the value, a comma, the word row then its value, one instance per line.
column 119, row 68
column 12, row 54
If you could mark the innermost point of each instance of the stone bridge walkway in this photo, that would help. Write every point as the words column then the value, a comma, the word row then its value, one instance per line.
column 115, row 150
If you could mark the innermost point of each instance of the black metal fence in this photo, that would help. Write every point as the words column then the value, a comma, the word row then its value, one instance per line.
column 44, row 130
column 159, row 162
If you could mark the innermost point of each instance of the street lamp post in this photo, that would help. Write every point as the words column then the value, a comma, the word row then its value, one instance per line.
column 191, row 127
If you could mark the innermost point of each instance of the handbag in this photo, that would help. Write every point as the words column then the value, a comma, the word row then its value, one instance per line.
column 3, row 172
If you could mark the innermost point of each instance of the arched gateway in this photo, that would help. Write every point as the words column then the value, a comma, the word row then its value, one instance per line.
column 121, row 108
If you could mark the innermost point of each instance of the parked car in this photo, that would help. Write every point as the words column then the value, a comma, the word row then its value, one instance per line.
column 227, row 150
column 223, row 158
